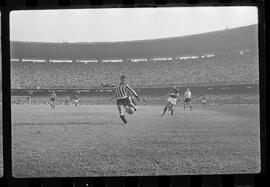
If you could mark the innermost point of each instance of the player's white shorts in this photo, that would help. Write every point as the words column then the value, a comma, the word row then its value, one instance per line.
column 76, row 101
column 172, row 100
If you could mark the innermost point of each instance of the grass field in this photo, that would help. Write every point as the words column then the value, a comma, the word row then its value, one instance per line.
column 1, row 143
column 90, row 140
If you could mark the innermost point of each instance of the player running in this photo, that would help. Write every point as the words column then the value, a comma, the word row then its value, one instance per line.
column 52, row 100
column 187, row 99
column 172, row 100
column 75, row 97
column 132, row 101
column 122, row 96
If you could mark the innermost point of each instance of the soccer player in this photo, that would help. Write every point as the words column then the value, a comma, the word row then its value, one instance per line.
column 75, row 97
column 52, row 100
column 67, row 101
column 133, row 104
column 187, row 99
column 204, row 102
column 122, row 97
column 172, row 100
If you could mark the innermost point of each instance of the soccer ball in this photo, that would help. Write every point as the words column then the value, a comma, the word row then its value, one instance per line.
column 130, row 110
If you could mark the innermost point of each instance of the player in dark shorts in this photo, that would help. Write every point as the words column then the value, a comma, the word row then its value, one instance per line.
column 132, row 102
column 52, row 100
column 172, row 100
column 187, row 99
column 122, row 90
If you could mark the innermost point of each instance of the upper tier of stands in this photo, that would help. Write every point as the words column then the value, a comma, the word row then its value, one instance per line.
column 213, row 42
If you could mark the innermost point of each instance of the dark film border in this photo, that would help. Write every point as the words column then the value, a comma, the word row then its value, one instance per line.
column 249, row 180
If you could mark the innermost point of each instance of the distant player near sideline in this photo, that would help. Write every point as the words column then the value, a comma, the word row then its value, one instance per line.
column 52, row 100
column 172, row 100
column 122, row 96
column 75, row 97
column 67, row 101
column 187, row 99
column 204, row 102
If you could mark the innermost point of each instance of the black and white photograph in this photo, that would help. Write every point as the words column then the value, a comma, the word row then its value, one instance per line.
column 1, row 121
column 135, row 91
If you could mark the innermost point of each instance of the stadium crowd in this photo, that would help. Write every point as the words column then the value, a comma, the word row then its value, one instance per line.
column 221, row 68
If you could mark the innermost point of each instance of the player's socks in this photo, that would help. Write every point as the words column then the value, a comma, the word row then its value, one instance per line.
column 171, row 111
column 135, row 108
column 123, row 118
column 133, row 102
column 165, row 109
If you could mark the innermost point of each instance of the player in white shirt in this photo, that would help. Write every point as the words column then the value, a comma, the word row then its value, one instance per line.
column 187, row 99
column 204, row 102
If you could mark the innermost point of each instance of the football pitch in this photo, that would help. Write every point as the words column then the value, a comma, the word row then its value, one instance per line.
column 91, row 140
column 1, row 143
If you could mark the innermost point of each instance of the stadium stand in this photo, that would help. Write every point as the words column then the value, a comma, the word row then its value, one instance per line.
column 218, row 41
column 222, row 57
column 223, row 68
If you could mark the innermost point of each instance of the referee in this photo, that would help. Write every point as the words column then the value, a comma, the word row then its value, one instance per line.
column 122, row 97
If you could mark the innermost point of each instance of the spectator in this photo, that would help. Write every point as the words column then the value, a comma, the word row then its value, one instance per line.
column 224, row 68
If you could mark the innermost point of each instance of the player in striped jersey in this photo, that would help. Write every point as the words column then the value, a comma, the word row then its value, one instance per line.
column 130, row 96
column 123, row 99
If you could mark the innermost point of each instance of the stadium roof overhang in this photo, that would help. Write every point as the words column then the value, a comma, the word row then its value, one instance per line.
column 213, row 42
